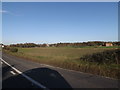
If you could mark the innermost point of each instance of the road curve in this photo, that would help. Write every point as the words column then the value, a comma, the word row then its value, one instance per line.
column 49, row 75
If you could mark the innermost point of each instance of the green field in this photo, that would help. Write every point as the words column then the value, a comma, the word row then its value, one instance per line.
column 68, row 58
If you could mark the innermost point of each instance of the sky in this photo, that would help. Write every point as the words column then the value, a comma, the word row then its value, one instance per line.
column 50, row 22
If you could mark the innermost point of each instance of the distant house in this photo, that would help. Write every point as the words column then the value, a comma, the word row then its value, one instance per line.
column 108, row 44
column 47, row 45
column 1, row 45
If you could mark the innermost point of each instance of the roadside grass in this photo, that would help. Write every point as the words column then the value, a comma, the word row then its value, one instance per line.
column 69, row 58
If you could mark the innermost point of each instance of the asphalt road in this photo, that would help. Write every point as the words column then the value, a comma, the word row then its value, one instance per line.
column 48, row 76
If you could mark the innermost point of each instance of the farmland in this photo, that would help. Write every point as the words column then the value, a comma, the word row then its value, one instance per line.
column 70, row 58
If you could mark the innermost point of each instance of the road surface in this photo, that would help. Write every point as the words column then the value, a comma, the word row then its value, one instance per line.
column 48, row 76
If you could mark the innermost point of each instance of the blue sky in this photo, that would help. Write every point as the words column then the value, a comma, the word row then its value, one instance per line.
column 52, row 22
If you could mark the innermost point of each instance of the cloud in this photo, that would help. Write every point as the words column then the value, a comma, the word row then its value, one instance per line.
column 10, row 13
column 3, row 11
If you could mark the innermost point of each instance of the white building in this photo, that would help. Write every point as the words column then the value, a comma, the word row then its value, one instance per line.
column 2, row 46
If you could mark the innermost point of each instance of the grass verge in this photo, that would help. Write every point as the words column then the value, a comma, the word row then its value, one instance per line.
column 70, row 58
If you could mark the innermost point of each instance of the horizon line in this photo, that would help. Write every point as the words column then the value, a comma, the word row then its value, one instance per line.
column 60, row 42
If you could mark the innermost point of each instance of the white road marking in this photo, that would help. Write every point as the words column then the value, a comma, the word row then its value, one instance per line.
column 12, row 72
column 30, row 79
column 1, row 62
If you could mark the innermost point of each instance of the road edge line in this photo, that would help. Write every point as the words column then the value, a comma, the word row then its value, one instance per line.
column 28, row 78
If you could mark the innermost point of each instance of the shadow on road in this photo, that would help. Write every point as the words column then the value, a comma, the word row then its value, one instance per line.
column 6, row 70
column 47, row 77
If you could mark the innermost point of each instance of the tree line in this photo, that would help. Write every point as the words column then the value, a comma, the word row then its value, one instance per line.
column 77, row 44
